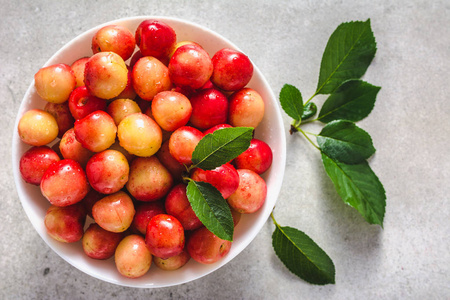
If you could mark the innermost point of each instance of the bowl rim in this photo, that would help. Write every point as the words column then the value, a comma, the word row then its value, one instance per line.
column 249, row 236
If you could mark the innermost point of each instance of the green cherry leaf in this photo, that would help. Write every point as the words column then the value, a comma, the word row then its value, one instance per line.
column 221, row 146
column 353, row 100
column 309, row 110
column 291, row 101
column 302, row 256
column 348, row 54
column 344, row 141
column 359, row 187
column 211, row 209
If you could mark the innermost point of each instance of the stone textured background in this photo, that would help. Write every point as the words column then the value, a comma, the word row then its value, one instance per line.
column 410, row 127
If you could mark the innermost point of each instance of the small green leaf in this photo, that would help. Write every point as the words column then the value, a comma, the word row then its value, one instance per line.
column 211, row 209
column 309, row 110
column 291, row 101
column 348, row 54
column 344, row 141
column 302, row 256
column 359, row 187
column 353, row 100
column 221, row 146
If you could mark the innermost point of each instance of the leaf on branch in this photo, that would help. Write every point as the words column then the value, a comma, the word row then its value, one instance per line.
column 348, row 54
column 291, row 101
column 344, row 141
column 309, row 110
column 353, row 100
column 359, row 187
column 211, row 209
column 302, row 256
column 221, row 146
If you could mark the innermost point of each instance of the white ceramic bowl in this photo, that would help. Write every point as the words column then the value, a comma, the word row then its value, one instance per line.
column 270, row 130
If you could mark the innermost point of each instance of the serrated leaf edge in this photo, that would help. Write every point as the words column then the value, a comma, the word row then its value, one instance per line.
column 380, row 222
column 195, row 182
column 307, row 257
column 348, row 53
column 341, row 120
column 295, row 107
column 320, row 117
column 221, row 147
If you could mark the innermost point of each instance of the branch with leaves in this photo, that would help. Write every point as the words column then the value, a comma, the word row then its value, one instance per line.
column 344, row 147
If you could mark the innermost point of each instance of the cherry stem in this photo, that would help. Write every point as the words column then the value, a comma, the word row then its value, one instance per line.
column 307, row 137
column 273, row 219
column 315, row 94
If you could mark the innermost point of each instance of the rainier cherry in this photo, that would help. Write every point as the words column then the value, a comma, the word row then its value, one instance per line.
column 55, row 83
column 171, row 110
column 37, row 127
column 62, row 115
column 224, row 178
column 78, row 67
column 258, row 157
column 149, row 77
column 232, row 69
column 139, row 135
column 149, row 180
column 105, row 75
column 120, row 108
column 173, row 262
column 206, row 248
column 64, row 183
column 71, row 148
column 114, row 38
column 96, row 132
column 155, row 38
column 165, row 236
column 35, row 162
column 209, row 108
column 114, row 212
column 182, row 143
column 99, row 243
column 251, row 193
column 144, row 212
column 246, row 108
column 107, row 171
column 190, row 66
column 177, row 205
column 65, row 224
column 132, row 257
column 82, row 103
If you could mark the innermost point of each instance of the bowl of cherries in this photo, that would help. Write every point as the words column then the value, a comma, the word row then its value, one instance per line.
column 148, row 151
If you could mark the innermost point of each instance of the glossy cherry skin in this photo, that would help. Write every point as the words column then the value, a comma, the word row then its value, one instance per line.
column 155, row 38
column 209, row 108
column 232, row 69
column 224, row 178
column 206, row 248
column 35, row 161
column 64, row 183
column 177, row 205
column 82, row 103
column 165, row 236
column 258, row 157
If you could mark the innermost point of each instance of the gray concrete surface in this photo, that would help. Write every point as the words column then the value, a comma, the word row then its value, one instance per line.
column 410, row 127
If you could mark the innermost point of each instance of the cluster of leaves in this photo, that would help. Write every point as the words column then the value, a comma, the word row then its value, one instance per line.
column 344, row 146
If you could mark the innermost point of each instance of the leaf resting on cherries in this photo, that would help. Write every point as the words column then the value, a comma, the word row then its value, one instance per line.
column 212, row 151
column 221, row 146
column 211, row 209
